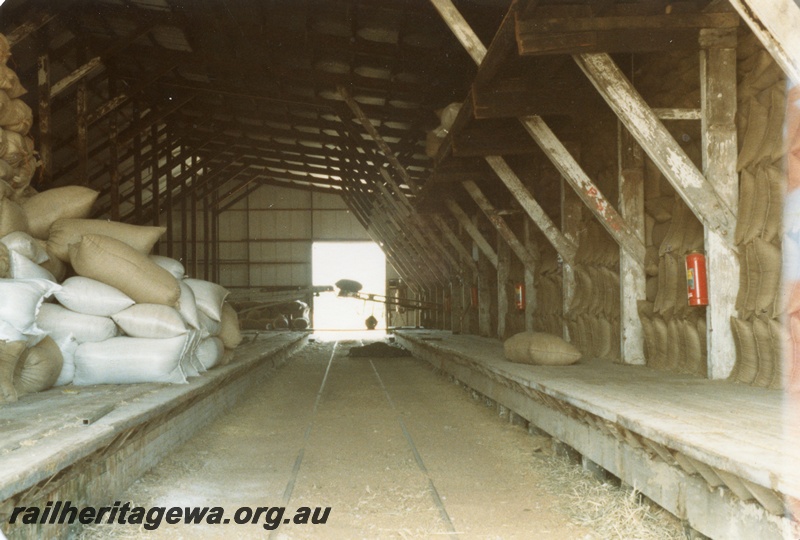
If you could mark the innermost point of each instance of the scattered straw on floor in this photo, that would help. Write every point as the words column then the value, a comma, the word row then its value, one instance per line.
column 612, row 512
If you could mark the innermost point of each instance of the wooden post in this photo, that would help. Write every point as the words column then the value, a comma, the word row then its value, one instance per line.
column 169, row 164
column 570, row 224
column 456, row 305
column 503, row 273
column 137, row 164
column 113, row 135
column 631, row 272
column 718, row 103
column 192, row 268
column 485, row 271
column 155, row 178
column 530, row 276
column 45, row 149
column 588, row 192
column 696, row 191
column 206, row 239
column 215, row 267
column 184, row 217
column 81, row 100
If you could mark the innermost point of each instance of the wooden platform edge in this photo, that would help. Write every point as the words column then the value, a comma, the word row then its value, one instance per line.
column 713, row 511
column 132, row 440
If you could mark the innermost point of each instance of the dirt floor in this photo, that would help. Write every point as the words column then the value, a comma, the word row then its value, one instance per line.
column 395, row 451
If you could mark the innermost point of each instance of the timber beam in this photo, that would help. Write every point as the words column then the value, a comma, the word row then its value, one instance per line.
column 698, row 193
column 472, row 231
column 775, row 23
column 574, row 29
column 563, row 246
column 589, row 193
column 528, row 259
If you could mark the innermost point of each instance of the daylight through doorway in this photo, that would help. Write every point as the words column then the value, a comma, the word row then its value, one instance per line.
column 359, row 261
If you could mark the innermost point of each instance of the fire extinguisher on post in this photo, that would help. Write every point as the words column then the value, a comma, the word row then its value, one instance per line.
column 519, row 296
column 696, row 279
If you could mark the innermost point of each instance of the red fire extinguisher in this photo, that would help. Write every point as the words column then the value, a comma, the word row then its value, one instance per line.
column 519, row 296
column 696, row 280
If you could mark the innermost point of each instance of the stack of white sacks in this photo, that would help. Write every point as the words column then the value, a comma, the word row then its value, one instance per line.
column 124, row 316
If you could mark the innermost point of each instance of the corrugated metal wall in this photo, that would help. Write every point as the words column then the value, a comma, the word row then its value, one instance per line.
column 265, row 239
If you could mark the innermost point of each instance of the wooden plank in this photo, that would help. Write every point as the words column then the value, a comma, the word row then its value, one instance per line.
column 404, row 208
column 505, row 232
column 634, row 40
column 460, row 27
column 538, row 25
column 81, row 101
column 30, row 26
column 708, row 421
column 677, row 114
column 485, row 296
column 472, row 231
column 562, row 245
column 698, row 193
column 503, row 273
column 384, row 147
column 78, row 74
column 588, row 192
column 713, row 513
column 45, row 141
column 530, row 276
column 51, row 461
column 720, row 151
column 491, row 140
column 631, row 273
column 500, row 48
column 450, row 236
column 567, row 95
column 571, row 206
column 775, row 24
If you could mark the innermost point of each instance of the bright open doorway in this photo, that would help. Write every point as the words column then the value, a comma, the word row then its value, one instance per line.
column 359, row 261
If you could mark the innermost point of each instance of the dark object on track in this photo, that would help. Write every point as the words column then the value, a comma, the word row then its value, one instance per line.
column 348, row 286
column 379, row 349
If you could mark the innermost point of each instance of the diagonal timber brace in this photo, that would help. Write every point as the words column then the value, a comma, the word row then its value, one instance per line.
column 698, row 193
column 472, row 230
column 527, row 258
column 586, row 189
column 563, row 246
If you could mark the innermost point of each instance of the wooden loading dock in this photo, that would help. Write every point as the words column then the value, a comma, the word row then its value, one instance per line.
column 576, row 153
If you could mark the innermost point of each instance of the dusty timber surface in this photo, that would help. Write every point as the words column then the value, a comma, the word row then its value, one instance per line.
column 395, row 450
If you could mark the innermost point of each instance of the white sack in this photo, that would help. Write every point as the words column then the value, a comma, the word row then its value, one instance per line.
column 59, row 321
column 208, row 326
column 153, row 321
column 25, row 245
column 189, row 363
column 21, row 300
column 21, row 267
column 187, row 306
column 67, row 345
column 171, row 265
column 92, row 297
column 125, row 360
column 209, row 297
column 210, row 352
